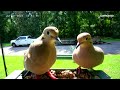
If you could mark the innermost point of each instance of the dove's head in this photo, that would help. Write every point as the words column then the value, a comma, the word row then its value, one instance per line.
column 84, row 39
column 51, row 33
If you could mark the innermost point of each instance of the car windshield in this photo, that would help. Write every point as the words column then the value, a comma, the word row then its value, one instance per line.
column 21, row 38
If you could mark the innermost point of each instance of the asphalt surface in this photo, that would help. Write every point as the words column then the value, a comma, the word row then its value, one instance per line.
column 112, row 48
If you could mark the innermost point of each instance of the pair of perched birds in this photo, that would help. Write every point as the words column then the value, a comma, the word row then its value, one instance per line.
column 41, row 54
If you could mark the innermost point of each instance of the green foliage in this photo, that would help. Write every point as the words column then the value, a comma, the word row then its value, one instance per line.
column 69, row 23
column 2, row 25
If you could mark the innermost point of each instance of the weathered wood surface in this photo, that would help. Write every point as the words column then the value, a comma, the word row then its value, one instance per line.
column 15, row 75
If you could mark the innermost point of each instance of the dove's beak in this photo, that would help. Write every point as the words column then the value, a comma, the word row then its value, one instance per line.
column 78, row 44
column 58, row 39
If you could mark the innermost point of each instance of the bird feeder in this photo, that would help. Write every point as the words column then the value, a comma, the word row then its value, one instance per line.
column 61, row 74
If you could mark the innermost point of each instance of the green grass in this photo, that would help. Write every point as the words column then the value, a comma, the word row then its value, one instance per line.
column 111, row 65
column 6, row 44
column 109, row 39
column 12, row 63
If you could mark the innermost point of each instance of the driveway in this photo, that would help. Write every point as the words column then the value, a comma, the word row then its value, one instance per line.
column 113, row 48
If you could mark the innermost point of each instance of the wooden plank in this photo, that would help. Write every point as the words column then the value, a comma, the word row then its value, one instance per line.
column 20, row 77
column 14, row 75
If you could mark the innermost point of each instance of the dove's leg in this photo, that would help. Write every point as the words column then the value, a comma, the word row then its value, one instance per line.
column 51, row 75
column 78, row 70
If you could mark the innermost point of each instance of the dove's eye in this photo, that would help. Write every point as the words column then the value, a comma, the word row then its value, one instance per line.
column 47, row 33
column 86, row 38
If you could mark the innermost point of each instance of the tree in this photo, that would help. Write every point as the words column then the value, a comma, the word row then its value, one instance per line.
column 3, row 20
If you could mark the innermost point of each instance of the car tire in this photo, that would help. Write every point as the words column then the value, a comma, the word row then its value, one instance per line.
column 13, row 44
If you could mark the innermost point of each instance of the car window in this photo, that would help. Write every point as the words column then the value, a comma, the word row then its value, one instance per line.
column 22, row 38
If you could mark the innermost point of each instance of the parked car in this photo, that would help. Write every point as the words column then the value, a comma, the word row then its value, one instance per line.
column 22, row 40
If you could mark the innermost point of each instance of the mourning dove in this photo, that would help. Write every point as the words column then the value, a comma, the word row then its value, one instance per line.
column 41, row 54
column 87, row 55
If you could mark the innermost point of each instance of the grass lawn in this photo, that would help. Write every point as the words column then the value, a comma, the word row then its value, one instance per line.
column 111, row 65
column 12, row 63
column 6, row 44
column 108, row 39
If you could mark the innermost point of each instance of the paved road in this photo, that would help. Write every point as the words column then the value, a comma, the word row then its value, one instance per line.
column 113, row 48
